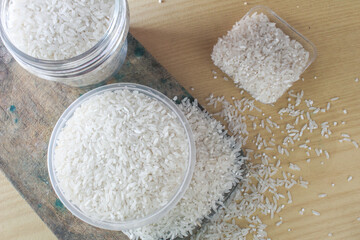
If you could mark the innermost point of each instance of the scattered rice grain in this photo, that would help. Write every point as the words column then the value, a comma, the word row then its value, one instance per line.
column 316, row 213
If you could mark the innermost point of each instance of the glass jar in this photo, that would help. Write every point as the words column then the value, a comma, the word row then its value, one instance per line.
column 93, row 66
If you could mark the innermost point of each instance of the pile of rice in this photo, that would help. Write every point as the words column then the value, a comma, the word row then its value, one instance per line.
column 57, row 30
column 260, row 58
column 121, row 155
column 217, row 170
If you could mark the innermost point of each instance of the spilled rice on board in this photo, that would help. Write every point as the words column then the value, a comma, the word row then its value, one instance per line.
column 266, row 190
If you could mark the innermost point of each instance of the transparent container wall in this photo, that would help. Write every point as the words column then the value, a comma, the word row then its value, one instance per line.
column 102, row 73
column 288, row 30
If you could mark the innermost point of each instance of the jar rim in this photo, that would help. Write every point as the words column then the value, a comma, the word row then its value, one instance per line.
column 121, row 12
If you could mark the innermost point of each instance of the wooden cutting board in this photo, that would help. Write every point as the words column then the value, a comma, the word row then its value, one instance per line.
column 30, row 108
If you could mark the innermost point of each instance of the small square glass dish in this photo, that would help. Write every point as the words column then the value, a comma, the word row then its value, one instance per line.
column 287, row 29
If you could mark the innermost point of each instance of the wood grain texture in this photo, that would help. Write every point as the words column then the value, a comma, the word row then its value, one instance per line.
column 17, row 219
column 180, row 35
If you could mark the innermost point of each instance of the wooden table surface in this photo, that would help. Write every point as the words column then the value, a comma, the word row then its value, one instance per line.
column 180, row 35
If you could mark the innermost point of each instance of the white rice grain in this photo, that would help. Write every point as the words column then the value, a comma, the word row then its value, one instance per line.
column 316, row 213
column 289, row 197
column 294, row 167
column 326, row 154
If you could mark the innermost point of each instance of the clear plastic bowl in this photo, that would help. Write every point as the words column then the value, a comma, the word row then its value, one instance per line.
column 287, row 29
column 158, row 213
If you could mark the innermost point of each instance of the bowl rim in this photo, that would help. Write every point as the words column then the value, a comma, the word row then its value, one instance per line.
column 131, row 223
